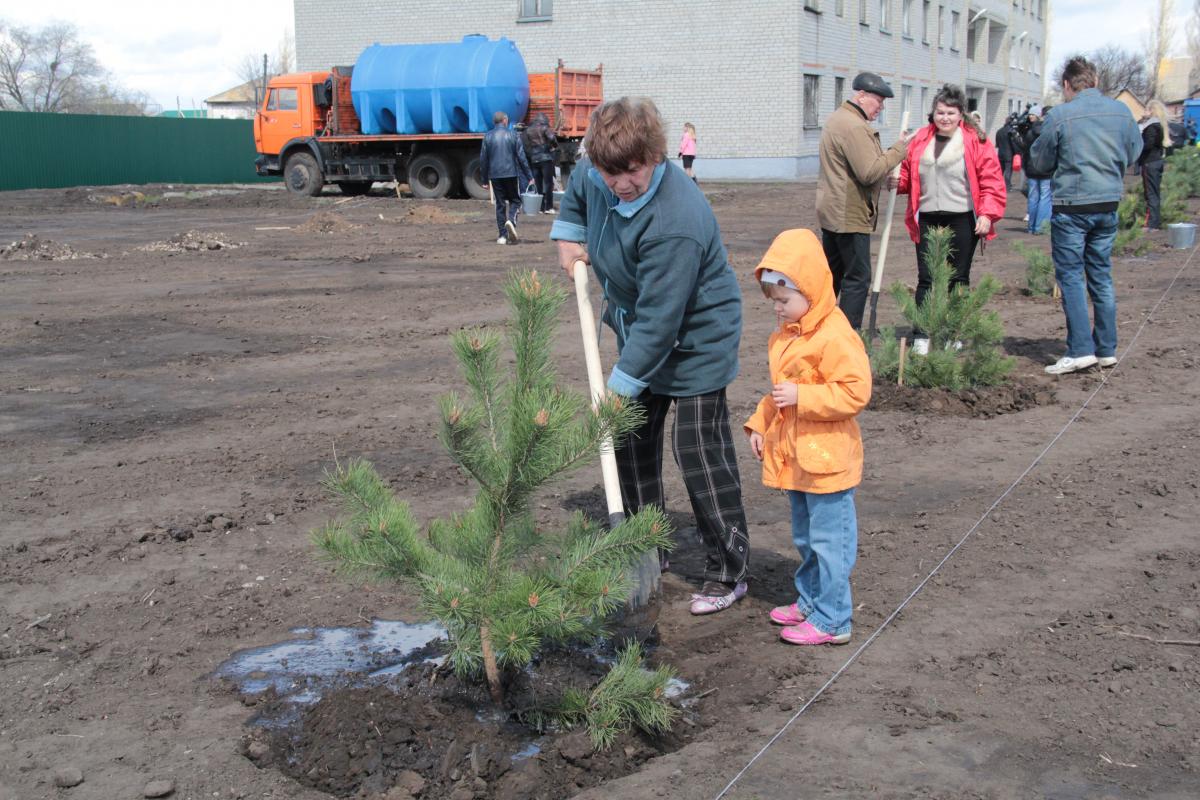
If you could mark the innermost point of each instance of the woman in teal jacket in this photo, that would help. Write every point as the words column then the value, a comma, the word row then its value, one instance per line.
column 675, row 306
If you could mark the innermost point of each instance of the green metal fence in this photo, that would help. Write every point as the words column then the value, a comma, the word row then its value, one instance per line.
column 48, row 151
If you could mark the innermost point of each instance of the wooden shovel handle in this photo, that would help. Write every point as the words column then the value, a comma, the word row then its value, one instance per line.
column 591, row 356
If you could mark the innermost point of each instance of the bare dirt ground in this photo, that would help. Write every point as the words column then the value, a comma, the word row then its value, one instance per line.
column 177, row 374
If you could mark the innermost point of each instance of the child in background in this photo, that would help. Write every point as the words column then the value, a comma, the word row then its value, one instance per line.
column 806, row 435
column 687, row 149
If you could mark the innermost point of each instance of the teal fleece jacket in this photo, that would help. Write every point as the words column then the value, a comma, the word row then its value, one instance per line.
column 672, row 298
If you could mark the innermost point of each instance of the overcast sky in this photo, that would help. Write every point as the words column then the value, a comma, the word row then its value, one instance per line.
column 191, row 50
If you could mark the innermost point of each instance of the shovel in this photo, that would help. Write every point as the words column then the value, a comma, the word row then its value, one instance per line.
column 647, row 576
column 884, row 237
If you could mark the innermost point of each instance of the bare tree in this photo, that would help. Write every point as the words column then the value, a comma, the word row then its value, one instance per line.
column 52, row 70
column 1158, row 44
column 1118, row 69
column 1193, row 45
column 251, row 68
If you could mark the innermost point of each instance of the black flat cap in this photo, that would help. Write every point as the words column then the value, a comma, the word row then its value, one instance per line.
column 870, row 82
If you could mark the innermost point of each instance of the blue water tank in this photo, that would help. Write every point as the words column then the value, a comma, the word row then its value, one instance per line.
column 439, row 88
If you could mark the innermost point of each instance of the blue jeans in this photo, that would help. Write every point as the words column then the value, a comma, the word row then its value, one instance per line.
column 1039, row 203
column 825, row 532
column 1081, row 245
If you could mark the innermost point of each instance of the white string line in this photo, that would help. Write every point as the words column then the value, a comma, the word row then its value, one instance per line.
column 967, row 535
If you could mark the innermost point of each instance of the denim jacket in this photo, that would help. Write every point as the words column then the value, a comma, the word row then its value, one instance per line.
column 1087, row 143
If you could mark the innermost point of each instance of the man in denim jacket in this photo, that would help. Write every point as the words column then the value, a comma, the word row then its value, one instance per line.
column 1087, row 143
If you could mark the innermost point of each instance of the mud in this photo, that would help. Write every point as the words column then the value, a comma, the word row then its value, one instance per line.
column 166, row 418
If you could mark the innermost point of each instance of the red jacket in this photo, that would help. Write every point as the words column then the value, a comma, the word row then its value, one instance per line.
column 988, row 194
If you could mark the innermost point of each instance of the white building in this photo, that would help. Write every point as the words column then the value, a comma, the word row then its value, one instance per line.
column 756, row 78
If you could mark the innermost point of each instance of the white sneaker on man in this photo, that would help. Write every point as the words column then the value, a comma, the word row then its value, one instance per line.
column 1067, row 364
column 551, row 211
column 502, row 240
column 512, row 231
column 1107, row 361
column 920, row 347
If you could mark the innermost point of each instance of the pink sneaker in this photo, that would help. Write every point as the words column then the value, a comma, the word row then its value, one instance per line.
column 787, row 615
column 805, row 633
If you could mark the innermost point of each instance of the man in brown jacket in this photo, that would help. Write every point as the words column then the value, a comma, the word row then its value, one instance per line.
column 853, row 168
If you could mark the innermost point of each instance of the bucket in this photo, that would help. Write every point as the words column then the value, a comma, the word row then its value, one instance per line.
column 1181, row 235
column 531, row 202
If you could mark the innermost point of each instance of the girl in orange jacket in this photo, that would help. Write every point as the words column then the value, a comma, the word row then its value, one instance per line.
column 806, row 435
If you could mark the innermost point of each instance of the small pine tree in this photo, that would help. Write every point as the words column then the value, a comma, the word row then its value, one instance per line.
column 501, row 587
column 1131, row 234
column 948, row 317
column 1039, row 270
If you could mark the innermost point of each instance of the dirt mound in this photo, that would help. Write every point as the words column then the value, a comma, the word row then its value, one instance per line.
column 436, row 737
column 983, row 401
column 192, row 242
column 327, row 222
column 35, row 248
column 432, row 215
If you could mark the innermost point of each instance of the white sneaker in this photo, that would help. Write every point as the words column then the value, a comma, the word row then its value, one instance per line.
column 551, row 211
column 1025, row 218
column 1107, row 361
column 512, row 232
column 502, row 240
column 1067, row 364
column 920, row 347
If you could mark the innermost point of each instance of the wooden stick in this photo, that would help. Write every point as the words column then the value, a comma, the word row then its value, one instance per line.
column 903, row 353
column 884, row 237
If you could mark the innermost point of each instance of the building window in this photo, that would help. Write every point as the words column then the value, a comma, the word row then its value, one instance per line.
column 1037, row 60
column 839, row 92
column 812, row 96
column 1013, row 58
column 941, row 31
column 906, row 18
column 839, row 7
column 535, row 10
column 924, row 109
column 954, row 30
column 925, row 21
column 885, row 15
column 862, row 12
column 812, row 5
column 906, row 103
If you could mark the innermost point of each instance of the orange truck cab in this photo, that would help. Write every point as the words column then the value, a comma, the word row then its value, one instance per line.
column 307, row 131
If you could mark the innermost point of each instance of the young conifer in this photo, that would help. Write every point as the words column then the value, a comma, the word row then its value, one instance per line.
column 501, row 587
column 963, row 337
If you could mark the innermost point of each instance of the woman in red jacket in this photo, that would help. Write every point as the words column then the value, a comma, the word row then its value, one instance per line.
column 953, row 180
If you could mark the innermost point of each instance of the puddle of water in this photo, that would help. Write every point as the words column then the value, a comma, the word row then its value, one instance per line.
column 299, row 668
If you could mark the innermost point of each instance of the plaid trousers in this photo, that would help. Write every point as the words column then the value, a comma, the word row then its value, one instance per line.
column 704, row 452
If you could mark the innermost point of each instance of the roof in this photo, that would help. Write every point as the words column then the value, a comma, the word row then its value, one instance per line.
column 243, row 93
column 186, row 113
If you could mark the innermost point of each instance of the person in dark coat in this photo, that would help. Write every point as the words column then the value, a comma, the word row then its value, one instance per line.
column 502, row 163
column 1004, row 149
column 1151, row 163
column 1039, row 198
column 540, row 144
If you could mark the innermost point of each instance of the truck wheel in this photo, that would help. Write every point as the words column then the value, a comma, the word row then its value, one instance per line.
column 355, row 188
column 472, row 180
column 430, row 176
column 302, row 175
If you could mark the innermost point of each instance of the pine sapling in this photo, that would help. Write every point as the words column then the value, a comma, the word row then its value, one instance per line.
column 963, row 337
column 1039, row 270
column 500, row 586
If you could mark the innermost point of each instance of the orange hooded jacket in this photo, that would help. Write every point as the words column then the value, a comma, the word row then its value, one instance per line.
column 814, row 446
